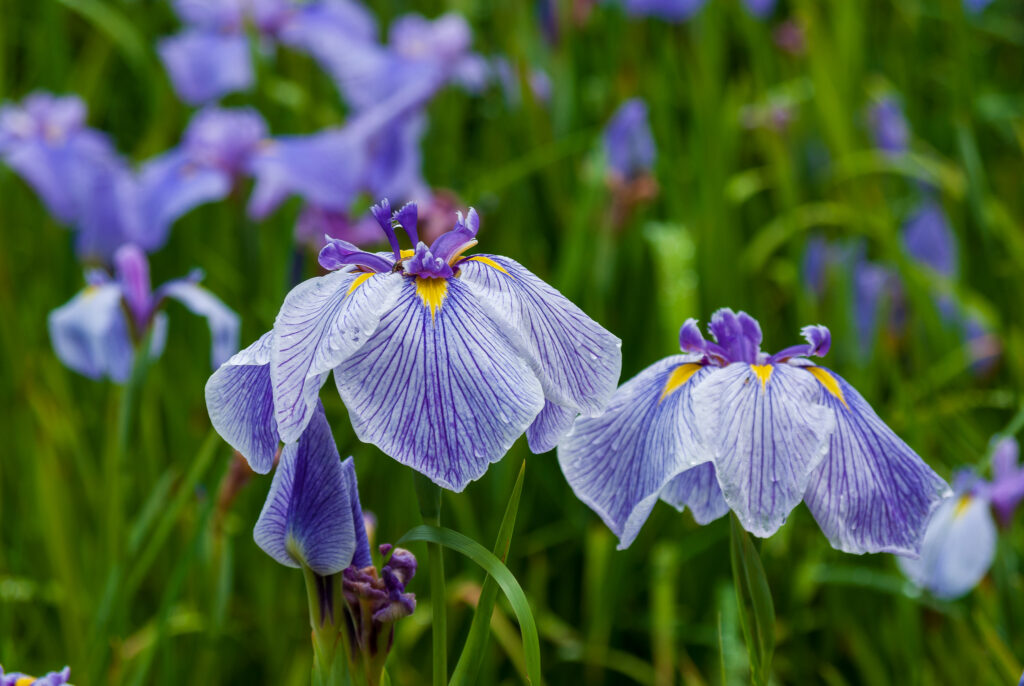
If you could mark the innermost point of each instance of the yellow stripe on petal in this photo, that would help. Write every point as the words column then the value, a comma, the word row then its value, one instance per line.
column 961, row 506
column 432, row 292
column 764, row 372
column 464, row 248
column 829, row 382
column 406, row 254
column 25, row 681
column 679, row 376
column 358, row 281
column 488, row 261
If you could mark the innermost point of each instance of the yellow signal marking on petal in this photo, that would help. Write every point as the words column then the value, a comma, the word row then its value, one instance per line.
column 961, row 505
column 358, row 281
column 679, row 376
column 488, row 261
column 829, row 382
column 764, row 372
column 405, row 254
column 432, row 292
column 458, row 253
column 25, row 681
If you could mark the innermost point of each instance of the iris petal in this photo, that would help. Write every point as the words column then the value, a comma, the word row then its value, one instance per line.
column 223, row 321
column 548, row 428
column 307, row 518
column 322, row 321
column 240, row 402
column 698, row 489
column 90, row 334
column 445, row 394
column 872, row 493
column 618, row 462
column 578, row 361
column 767, row 433
column 204, row 65
column 170, row 186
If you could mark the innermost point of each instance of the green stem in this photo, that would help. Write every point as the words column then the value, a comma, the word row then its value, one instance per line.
column 324, row 634
column 429, row 496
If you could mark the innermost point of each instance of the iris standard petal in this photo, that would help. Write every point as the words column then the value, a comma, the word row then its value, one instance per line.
column 957, row 550
column 548, row 428
column 362, row 556
column 223, row 321
column 698, row 489
column 578, row 361
column 619, row 461
column 240, row 401
column 322, row 321
column 767, row 432
column 171, row 185
column 205, row 64
column 439, row 386
column 307, row 518
column 871, row 493
column 90, row 334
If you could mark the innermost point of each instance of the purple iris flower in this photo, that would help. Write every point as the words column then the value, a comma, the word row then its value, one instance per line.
column 214, row 154
column 375, row 601
column 75, row 170
column 18, row 679
column 760, row 8
column 726, row 426
column 928, row 239
column 959, row 544
column 442, row 359
column 976, row 7
column 98, row 332
column 628, row 143
column 889, row 126
column 668, row 10
column 1006, row 492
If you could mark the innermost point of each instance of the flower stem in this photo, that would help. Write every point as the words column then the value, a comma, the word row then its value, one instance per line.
column 429, row 496
column 324, row 632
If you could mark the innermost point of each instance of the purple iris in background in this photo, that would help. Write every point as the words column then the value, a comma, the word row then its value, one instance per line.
column 99, row 331
column 18, row 679
column 929, row 239
column 628, row 143
column 668, row 10
column 214, row 154
column 442, row 359
column 1006, row 491
column 726, row 426
column 889, row 126
column 959, row 544
column 760, row 8
column 976, row 7
column 75, row 170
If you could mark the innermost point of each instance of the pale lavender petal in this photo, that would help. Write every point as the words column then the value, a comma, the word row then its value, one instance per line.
column 322, row 322
column 767, row 438
column 553, row 422
column 929, row 239
column 578, row 361
column 441, row 391
column 697, row 488
column 90, row 334
column 205, row 65
column 307, row 518
column 223, row 321
column 871, row 493
column 669, row 10
column 240, row 401
column 618, row 462
column 760, row 8
column 958, row 548
column 628, row 143
column 171, row 185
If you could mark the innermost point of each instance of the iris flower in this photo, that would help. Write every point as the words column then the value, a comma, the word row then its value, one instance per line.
column 18, row 679
column 959, row 545
column 98, row 332
column 889, row 126
column 669, row 10
column 75, row 170
column 442, row 359
column 725, row 426
column 628, row 143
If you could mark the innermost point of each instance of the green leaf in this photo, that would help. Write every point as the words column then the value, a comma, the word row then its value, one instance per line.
column 493, row 566
column 754, row 598
column 468, row 667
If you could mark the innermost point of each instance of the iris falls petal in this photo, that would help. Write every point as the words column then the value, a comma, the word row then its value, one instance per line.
column 619, row 462
column 90, row 334
column 768, row 433
column 439, row 385
column 871, row 493
column 223, row 321
column 548, row 428
column 698, row 489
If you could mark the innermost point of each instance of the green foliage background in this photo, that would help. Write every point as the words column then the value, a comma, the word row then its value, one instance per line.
column 138, row 575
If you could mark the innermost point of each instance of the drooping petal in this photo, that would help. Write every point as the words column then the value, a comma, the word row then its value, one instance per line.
column 307, row 518
column 958, row 548
column 767, row 433
column 240, row 401
column 697, row 488
column 578, row 361
column 90, row 334
column 171, row 185
column 553, row 422
column 322, row 322
column 224, row 324
column 871, row 493
column 362, row 556
column 439, row 386
column 618, row 462
column 205, row 65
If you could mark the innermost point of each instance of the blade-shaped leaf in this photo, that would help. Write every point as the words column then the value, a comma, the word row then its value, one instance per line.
column 754, row 598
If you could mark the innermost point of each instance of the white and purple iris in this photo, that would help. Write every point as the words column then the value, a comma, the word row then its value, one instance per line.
column 725, row 426
column 442, row 359
column 98, row 332
column 18, row 679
